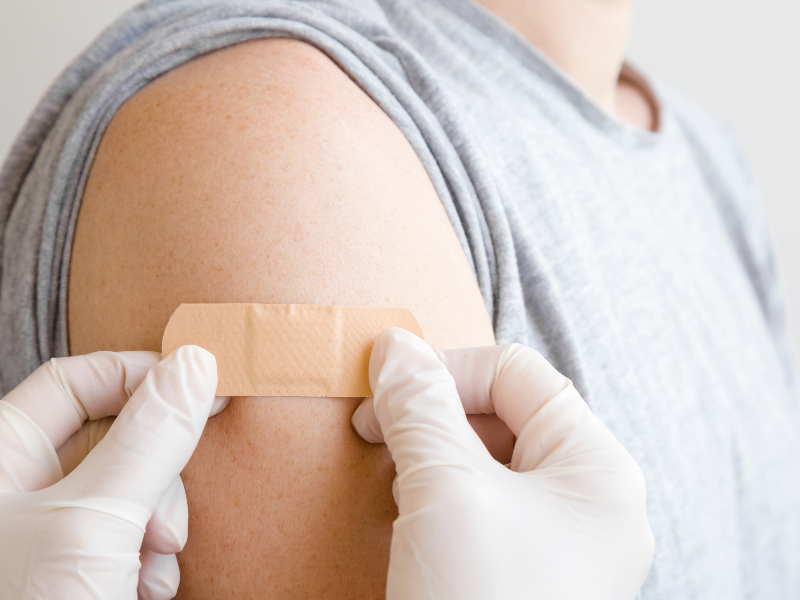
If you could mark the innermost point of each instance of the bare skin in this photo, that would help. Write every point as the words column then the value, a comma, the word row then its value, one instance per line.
column 587, row 40
column 261, row 173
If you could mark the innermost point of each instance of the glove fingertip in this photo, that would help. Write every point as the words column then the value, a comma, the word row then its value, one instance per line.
column 159, row 576
column 196, row 355
column 388, row 341
column 365, row 422
column 198, row 366
column 220, row 404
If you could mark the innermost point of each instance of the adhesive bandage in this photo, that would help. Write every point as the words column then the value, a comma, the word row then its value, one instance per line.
column 286, row 349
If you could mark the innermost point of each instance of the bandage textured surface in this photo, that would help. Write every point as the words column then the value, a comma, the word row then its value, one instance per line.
column 286, row 349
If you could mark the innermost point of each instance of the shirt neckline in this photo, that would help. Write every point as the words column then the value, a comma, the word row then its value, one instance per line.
column 539, row 63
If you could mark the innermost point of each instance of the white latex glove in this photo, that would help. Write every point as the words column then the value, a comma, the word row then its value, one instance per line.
column 84, row 535
column 566, row 521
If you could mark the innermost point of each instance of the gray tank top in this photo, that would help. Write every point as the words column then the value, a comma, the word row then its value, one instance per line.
column 637, row 262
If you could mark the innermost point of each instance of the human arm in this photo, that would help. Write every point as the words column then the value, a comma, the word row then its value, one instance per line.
column 262, row 173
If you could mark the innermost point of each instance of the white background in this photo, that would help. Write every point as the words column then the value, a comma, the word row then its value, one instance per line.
column 738, row 57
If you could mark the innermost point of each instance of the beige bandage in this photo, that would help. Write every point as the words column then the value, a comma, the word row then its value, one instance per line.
column 286, row 349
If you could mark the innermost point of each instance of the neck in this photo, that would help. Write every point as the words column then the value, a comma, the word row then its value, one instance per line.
column 585, row 38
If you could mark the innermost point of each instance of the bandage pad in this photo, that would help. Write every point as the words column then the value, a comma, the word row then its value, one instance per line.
column 286, row 349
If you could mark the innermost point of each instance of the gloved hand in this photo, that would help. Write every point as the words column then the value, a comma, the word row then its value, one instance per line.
column 83, row 535
column 566, row 521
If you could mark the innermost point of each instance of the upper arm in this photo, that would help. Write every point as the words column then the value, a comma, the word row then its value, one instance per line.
column 261, row 173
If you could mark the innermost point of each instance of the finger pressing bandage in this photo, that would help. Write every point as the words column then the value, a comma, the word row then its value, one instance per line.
column 286, row 349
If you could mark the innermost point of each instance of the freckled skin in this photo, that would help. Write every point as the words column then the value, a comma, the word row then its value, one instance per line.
column 261, row 173
column 302, row 502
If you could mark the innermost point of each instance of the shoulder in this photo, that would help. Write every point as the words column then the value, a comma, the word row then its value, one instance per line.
column 222, row 102
column 261, row 173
